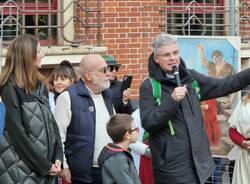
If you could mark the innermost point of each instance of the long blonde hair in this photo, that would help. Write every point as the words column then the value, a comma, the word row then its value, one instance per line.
column 19, row 65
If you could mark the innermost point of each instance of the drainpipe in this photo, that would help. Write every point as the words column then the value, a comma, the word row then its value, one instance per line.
column 232, row 16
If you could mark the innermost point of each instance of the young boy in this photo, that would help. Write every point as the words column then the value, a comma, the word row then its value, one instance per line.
column 115, row 160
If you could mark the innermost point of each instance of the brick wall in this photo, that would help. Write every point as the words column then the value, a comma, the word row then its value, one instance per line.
column 128, row 28
column 244, row 19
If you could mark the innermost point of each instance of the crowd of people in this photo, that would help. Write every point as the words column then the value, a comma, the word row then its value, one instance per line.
column 77, row 126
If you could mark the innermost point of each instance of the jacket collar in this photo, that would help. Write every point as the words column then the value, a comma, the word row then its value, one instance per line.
column 157, row 73
column 107, row 93
column 82, row 89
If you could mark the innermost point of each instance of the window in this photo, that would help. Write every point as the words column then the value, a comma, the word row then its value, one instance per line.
column 200, row 17
column 38, row 17
column 69, row 21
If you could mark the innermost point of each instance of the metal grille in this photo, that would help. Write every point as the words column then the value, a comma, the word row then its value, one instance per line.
column 244, row 20
column 223, row 171
column 47, row 21
column 210, row 18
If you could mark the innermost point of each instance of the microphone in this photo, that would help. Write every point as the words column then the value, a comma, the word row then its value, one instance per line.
column 176, row 75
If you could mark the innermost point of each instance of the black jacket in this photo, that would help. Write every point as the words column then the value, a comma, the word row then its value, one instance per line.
column 117, row 166
column 31, row 141
column 117, row 95
column 184, row 157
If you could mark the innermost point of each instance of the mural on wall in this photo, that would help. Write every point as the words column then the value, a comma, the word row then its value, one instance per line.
column 216, row 57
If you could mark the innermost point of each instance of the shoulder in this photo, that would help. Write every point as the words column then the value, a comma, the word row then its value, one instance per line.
column 195, row 75
column 73, row 87
column 107, row 93
column 146, row 83
column 211, row 64
column 64, row 96
column 9, row 95
column 51, row 94
column 228, row 66
column 44, row 89
column 115, row 83
column 118, row 159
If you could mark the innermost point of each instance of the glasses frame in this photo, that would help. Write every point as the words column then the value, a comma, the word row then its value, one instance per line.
column 113, row 67
column 169, row 55
column 135, row 129
column 103, row 70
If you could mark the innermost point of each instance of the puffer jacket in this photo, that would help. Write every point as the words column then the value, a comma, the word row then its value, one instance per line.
column 184, row 157
column 31, row 141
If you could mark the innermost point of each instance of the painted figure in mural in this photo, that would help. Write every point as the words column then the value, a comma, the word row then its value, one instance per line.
column 177, row 139
column 217, row 67
column 217, row 110
column 221, row 106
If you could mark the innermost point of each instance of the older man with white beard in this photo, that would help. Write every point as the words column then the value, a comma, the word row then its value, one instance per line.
column 81, row 113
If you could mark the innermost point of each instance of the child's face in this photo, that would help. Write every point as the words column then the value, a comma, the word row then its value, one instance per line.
column 134, row 133
column 61, row 83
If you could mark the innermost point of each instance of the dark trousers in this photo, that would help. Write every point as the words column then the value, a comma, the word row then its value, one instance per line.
column 96, row 177
column 231, row 170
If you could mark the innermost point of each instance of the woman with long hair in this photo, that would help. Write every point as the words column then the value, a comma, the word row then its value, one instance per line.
column 31, row 150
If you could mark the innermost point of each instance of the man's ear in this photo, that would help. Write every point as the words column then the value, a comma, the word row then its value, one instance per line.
column 127, row 135
column 89, row 76
column 155, row 59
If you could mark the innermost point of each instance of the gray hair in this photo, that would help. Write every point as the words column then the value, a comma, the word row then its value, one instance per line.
column 163, row 40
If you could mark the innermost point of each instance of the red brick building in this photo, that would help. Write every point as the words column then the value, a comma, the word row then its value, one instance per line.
column 128, row 28
column 124, row 28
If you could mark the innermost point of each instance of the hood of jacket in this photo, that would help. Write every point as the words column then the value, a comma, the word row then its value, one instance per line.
column 158, row 74
column 110, row 150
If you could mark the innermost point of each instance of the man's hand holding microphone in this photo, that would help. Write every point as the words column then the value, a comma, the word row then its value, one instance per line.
column 180, row 91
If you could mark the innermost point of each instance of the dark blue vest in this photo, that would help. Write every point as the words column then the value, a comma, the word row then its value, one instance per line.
column 80, row 138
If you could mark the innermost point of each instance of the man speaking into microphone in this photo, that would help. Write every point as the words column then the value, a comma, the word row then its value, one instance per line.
column 177, row 138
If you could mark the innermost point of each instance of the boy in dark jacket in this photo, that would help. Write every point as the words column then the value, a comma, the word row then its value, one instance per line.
column 115, row 160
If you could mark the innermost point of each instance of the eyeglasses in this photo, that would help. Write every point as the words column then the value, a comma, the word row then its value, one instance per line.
column 135, row 129
column 169, row 55
column 113, row 67
column 104, row 69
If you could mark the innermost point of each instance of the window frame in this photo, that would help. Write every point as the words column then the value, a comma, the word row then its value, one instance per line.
column 34, row 9
column 196, row 8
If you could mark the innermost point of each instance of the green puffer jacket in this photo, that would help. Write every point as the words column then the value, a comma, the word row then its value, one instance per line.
column 31, row 141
